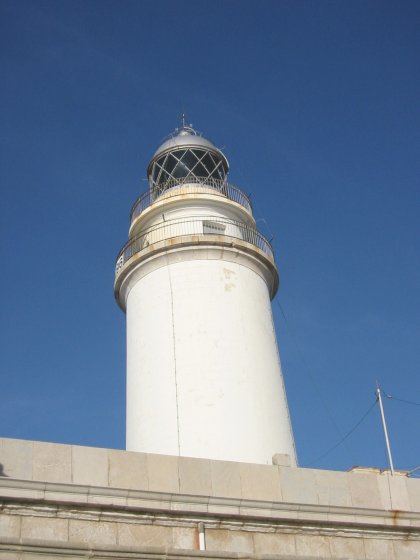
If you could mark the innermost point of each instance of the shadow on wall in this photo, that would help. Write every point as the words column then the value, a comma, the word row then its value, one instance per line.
column 2, row 473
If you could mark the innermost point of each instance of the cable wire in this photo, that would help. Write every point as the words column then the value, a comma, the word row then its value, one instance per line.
column 365, row 415
column 400, row 400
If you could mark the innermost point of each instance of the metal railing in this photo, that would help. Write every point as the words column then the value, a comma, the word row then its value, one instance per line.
column 221, row 188
column 197, row 225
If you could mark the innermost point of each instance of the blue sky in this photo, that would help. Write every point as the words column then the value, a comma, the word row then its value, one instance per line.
column 315, row 104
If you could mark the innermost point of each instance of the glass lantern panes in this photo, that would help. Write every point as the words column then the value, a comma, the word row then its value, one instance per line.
column 188, row 165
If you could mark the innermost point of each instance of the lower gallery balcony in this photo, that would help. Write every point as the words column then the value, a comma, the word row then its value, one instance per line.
column 196, row 229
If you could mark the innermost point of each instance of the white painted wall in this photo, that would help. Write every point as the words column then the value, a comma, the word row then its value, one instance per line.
column 203, row 370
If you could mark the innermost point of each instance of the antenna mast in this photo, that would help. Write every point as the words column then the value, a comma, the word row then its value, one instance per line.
column 381, row 408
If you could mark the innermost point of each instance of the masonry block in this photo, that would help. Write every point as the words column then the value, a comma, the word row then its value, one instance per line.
column 128, row 470
column 364, row 490
column 92, row 532
column 226, row 479
column 185, row 538
column 222, row 540
column 16, row 458
column 413, row 488
column 45, row 528
column 379, row 549
column 260, row 482
column 51, row 462
column 407, row 550
column 332, row 488
column 347, row 547
column 298, row 485
column 89, row 466
column 144, row 535
column 194, row 476
column 9, row 525
column 313, row 546
column 274, row 543
column 162, row 473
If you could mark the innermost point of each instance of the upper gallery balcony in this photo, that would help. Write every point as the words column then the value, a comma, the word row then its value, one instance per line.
column 192, row 186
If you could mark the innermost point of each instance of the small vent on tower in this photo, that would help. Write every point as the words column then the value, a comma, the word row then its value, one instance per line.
column 215, row 228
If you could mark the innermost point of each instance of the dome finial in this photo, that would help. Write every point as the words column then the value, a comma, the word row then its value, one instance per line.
column 184, row 120
column 185, row 125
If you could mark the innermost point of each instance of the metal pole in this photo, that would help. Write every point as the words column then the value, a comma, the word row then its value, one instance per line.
column 379, row 395
column 201, row 536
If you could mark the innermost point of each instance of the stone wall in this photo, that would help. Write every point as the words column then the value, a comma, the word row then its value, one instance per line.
column 65, row 501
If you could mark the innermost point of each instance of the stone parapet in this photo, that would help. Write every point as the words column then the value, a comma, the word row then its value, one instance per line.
column 70, row 499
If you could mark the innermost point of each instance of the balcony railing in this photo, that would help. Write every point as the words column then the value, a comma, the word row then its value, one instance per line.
column 197, row 225
column 220, row 188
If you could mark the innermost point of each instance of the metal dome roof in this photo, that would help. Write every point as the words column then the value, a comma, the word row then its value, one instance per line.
column 186, row 136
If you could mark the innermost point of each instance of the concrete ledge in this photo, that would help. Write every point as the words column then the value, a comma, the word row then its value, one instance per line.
column 13, row 549
column 51, row 548
column 21, row 493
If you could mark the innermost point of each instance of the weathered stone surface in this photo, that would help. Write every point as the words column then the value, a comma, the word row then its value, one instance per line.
column 260, row 482
column 185, row 538
column 379, row 549
column 16, row 458
column 313, row 546
column 332, row 488
column 90, row 466
column 274, row 543
column 222, row 540
column 298, row 485
column 92, row 532
column 226, row 479
column 162, row 472
column 194, row 476
column 347, row 547
column 364, row 490
column 46, row 528
column 406, row 550
column 128, row 470
column 396, row 486
column 51, row 462
column 413, row 488
column 146, row 535
column 384, row 490
column 9, row 525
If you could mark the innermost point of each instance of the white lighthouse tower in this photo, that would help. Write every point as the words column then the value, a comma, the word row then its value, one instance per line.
column 196, row 279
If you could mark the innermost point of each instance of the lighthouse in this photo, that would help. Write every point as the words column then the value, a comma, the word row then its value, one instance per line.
column 196, row 279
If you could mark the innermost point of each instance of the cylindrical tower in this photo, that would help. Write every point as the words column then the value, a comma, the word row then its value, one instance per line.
column 196, row 279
